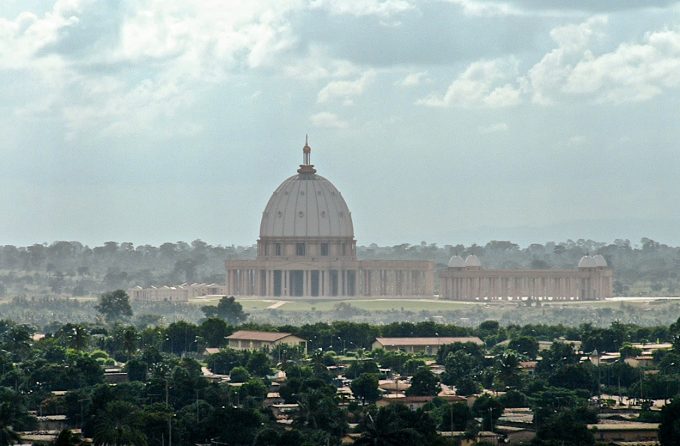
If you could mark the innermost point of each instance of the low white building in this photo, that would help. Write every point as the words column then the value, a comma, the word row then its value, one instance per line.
column 428, row 346
column 176, row 293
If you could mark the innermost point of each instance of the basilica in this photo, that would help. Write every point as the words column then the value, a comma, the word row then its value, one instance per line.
column 307, row 249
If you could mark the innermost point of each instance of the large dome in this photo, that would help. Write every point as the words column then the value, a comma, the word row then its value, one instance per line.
column 306, row 205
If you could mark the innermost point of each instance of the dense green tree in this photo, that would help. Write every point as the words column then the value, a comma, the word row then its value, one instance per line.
column 669, row 430
column 474, row 350
column 451, row 416
column 119, row 424
column 318, row 409
column 236, row 425
column 214, row 330
column 259, row 364
column 489, row 409
column 227, row 309
column 136, row 369
column 357, row 368
column 514, row 398
column 628, row 351
column 563, row 429
column 13, row 416
column 423, row 383
column 467, row 386
column 223, row 361
column 507, row 366
column 284, row 352
column 559, row 355
column 365, row 387
column 549, row 401
column 254, row 389
column 181, row 337
column 397, row 425
column 525, row 345
column 114, row 306
column 574, row 377
column 239, row 375
column 459, row 365
column 67, row 438
column 74, row 336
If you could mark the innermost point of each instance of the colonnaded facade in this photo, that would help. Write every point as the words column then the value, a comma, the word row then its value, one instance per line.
column 466, row 280
column 307, row 249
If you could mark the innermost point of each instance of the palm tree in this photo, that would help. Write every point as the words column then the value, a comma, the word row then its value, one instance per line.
column 385, row 428
column 7, row 434
column 67, row 438
column 117, row 425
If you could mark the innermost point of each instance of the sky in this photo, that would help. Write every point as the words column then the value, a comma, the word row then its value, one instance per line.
column 448, row 122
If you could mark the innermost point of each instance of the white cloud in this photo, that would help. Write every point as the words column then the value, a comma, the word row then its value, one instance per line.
column 318, row 64
column 344, row 89
column 380, row 8
column 412, row 79
column 494, row 128
column 327, row 120
column 573, row 70
column 631, row 72
column 146, row 63
column 577, row 140
column 487, row 83
column 550, row 74
column 477, row 8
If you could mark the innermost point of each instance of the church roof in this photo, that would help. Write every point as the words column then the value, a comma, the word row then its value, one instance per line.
column 306, row 205
column 456, row 262
column 472, row 260
column 587, row 262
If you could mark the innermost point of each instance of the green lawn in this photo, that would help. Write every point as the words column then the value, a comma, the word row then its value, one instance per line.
column 415, row 305
column 369, row 305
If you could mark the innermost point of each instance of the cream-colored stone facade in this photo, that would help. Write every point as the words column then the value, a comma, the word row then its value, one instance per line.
column 307, row 249
column 466, row 280
column 319, row 277
column 179, row 293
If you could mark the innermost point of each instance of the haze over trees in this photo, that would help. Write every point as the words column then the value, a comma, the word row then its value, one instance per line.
column 647, row 268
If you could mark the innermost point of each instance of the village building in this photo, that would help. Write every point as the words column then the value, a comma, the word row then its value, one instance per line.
column 625, row 432
column 176, row 293
column 426, row 345
column 257, row 340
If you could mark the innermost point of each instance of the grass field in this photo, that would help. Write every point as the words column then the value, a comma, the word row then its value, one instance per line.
column 415, row 305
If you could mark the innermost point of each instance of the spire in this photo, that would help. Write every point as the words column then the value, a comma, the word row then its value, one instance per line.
column 306, row 167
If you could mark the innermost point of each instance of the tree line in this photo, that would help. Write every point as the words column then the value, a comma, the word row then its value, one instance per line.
column 168, row 394
column 647, row 268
